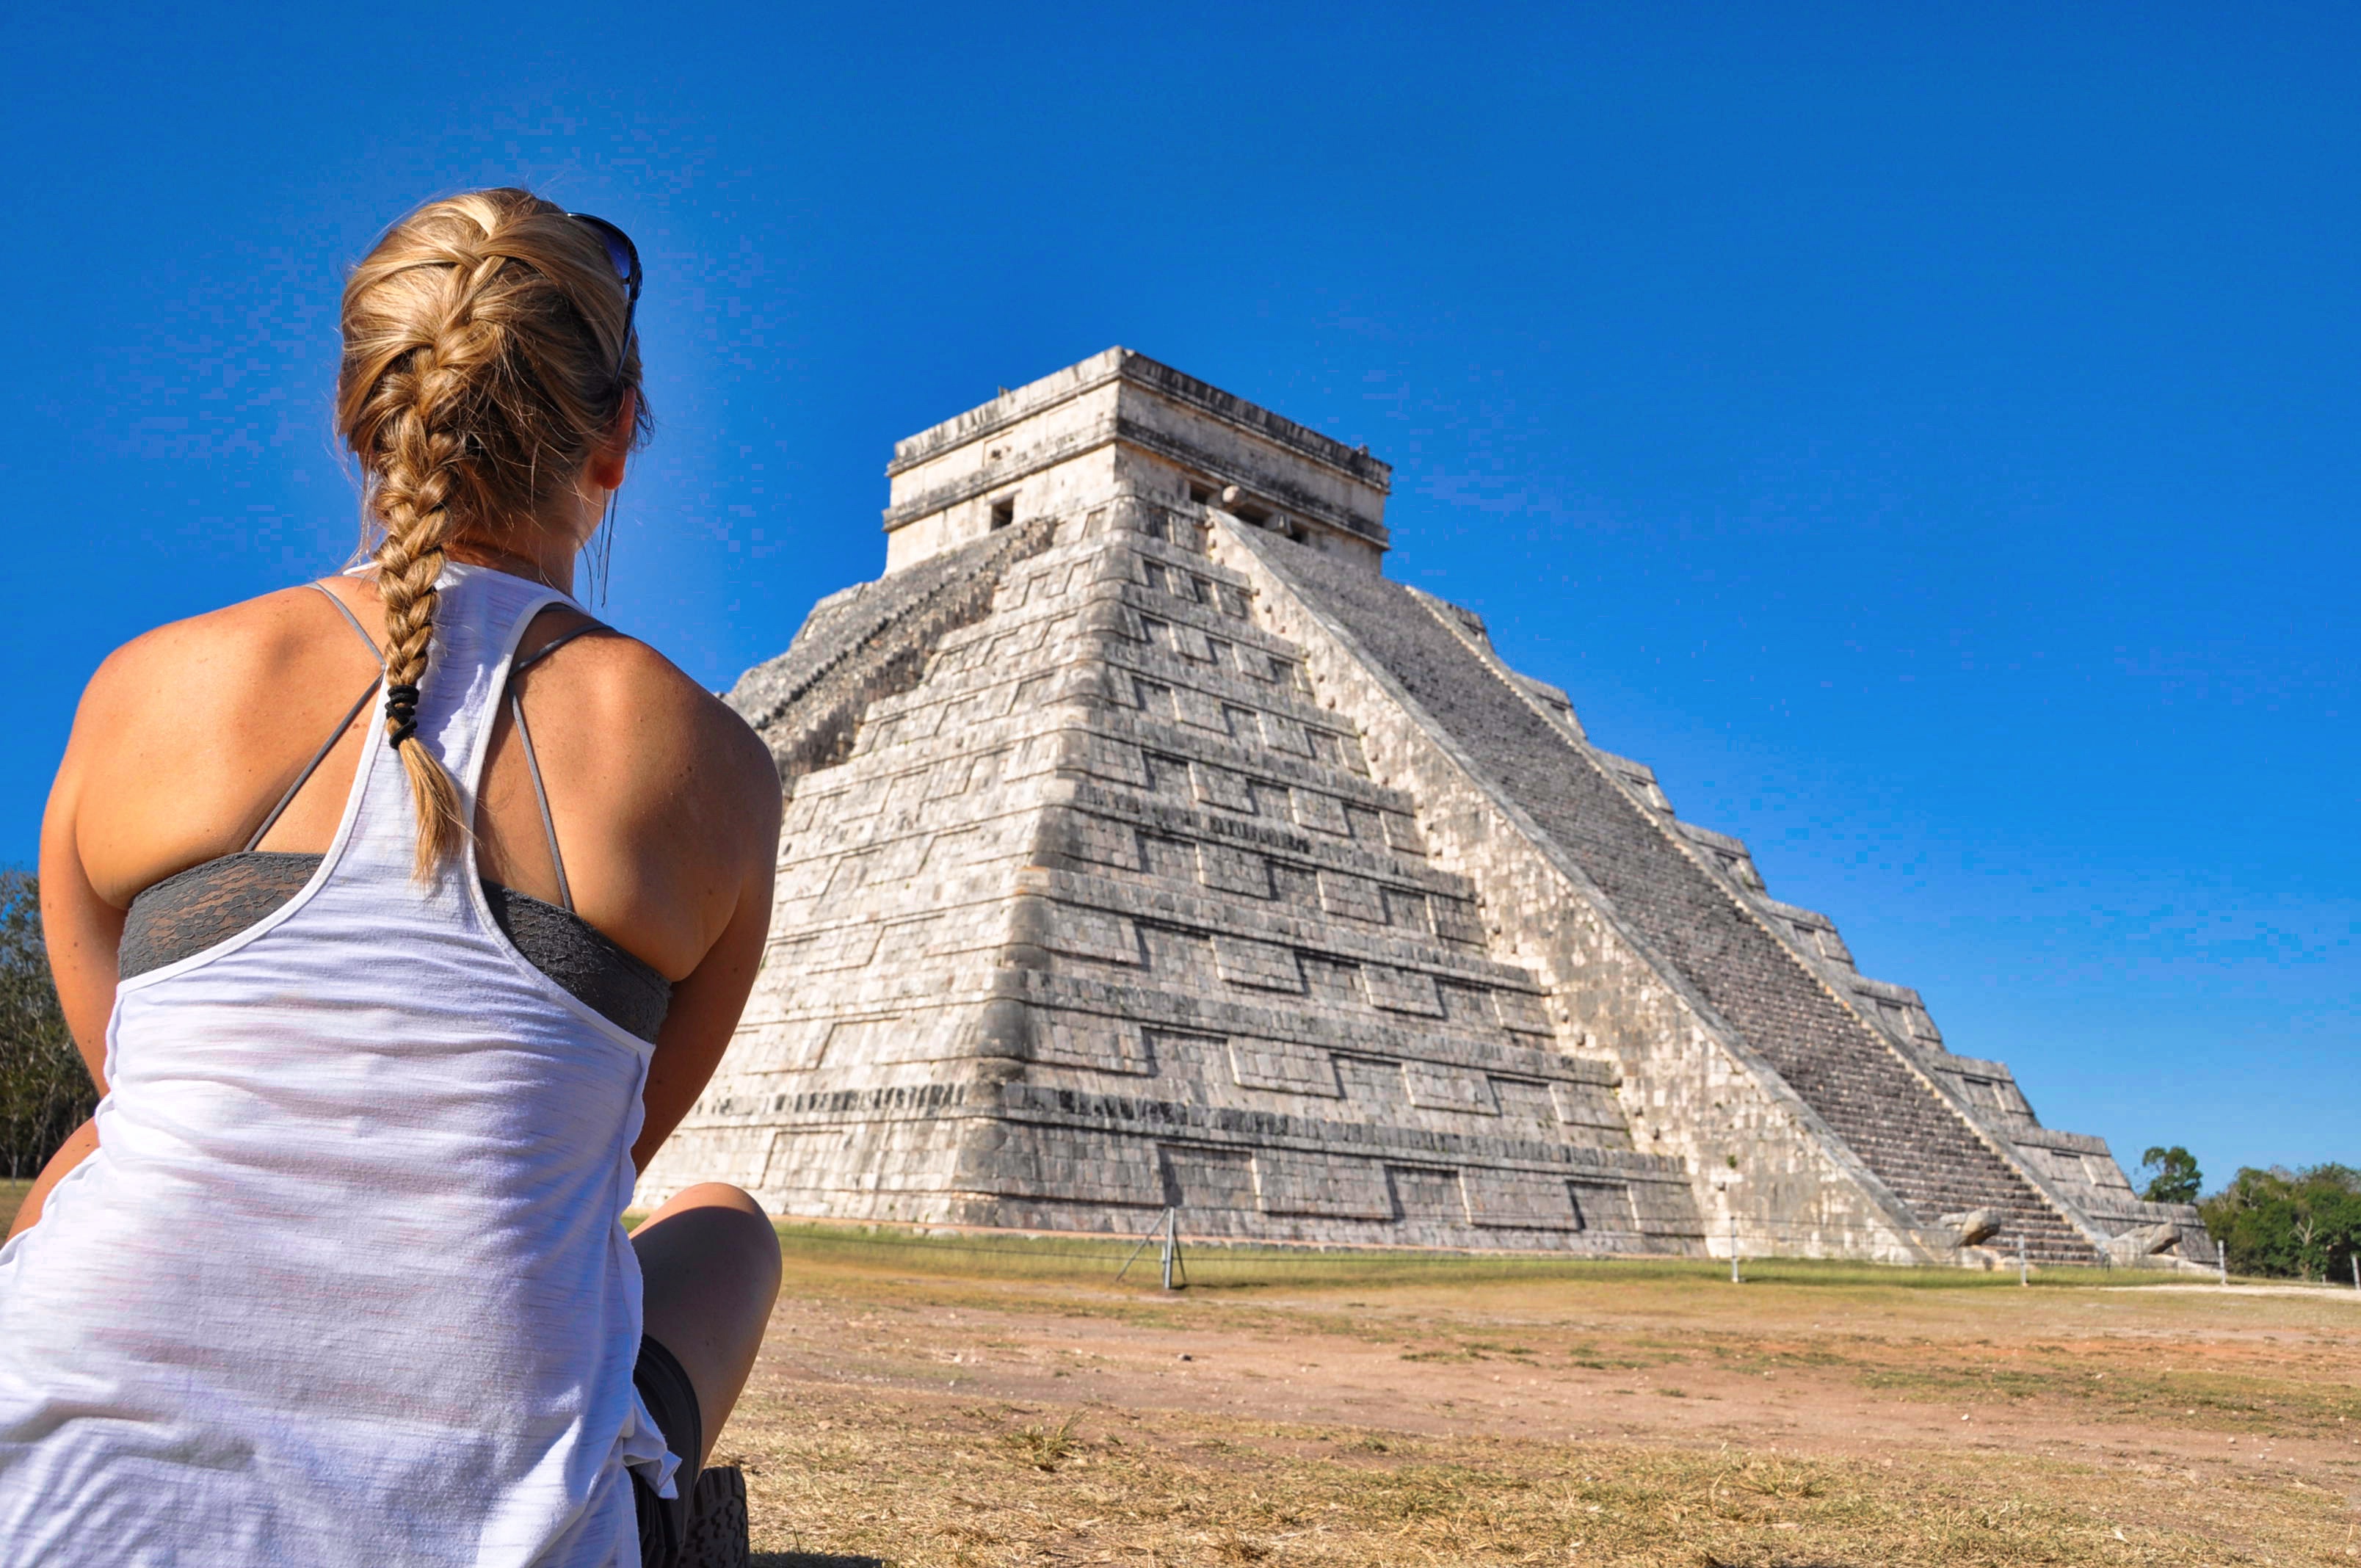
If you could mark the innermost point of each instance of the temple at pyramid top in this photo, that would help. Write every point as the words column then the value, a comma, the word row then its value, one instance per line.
column 1121, row 417
column 1147, row 851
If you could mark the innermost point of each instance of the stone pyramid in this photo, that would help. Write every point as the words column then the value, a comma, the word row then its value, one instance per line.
column 1146, row 848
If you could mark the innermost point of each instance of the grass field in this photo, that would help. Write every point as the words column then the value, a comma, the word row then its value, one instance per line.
column 12, row 1193
column 966, row 1401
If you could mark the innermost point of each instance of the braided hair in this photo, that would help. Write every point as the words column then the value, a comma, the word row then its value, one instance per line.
column 482, row 337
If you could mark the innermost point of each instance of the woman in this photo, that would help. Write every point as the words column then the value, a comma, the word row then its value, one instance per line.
column 399, row 917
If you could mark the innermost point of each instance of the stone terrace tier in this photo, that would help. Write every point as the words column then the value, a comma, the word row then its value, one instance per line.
column 1884, row 1109
column 1101, row 913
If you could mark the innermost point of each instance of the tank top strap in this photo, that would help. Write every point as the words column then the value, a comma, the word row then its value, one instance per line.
column 479, row 621
column 533, row 761
column 479, row 616
column 254, row 839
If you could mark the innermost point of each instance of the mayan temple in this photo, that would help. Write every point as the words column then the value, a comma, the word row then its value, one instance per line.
column 1146, row 846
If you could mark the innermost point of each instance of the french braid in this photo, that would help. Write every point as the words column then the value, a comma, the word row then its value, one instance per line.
column 481, row 337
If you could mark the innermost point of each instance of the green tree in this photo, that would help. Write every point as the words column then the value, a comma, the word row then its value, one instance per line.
column 2303, row 1224
column 45, row 1090
column 2177, row 1178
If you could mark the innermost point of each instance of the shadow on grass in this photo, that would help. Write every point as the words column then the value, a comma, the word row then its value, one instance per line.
column 811, row 1560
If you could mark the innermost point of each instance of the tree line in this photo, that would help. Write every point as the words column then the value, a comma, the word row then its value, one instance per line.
column 2299, row 1224
column 2293, row 1225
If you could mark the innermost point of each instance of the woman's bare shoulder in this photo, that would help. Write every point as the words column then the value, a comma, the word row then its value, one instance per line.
column 185, row 673
column 625, row 687
column 184, row 732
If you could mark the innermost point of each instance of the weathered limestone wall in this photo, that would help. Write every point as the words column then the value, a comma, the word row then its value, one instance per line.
column 1051, row 448
column 1861, row 1054
column 2075, row 1170
column 1754, row 1149
column 1102, row 914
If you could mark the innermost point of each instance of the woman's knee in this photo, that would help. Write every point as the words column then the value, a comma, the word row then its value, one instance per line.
column 710, row 1223
column 714, row 1195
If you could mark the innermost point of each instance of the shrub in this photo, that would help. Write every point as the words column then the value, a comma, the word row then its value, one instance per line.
column 45, row 1090
column 2304, row 1224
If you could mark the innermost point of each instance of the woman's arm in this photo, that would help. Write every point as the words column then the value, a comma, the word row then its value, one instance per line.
column 707, row 1001
column 72, row 1153
column 701, row 1020
column 82, row 934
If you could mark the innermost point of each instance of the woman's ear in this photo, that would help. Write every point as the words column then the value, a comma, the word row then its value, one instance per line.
column 609, row 458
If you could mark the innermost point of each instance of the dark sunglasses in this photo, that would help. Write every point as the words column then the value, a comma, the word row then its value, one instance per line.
column 624, row 256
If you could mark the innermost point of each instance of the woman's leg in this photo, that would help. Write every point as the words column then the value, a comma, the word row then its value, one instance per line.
column 710, row 1263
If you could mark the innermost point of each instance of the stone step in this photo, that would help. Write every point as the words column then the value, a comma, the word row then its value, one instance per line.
column 1844, row 1070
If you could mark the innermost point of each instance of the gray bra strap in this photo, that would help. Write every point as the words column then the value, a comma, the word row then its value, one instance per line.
column 552, row 646
column 312, row 766
column 541, row 798
column 533, row 764
column 350, row 619
column 333, row 735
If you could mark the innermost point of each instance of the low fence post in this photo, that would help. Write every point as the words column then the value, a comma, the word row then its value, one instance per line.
column 2022, row 1278
column 1733, row 1250
column 1163, row 1228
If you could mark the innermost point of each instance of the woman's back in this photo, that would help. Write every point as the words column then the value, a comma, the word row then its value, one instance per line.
column 196, row 729
column 431, row 905
column 662, row 801
column 349, row 1242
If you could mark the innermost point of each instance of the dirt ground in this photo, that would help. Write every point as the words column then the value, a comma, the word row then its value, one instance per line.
column 914, row 1408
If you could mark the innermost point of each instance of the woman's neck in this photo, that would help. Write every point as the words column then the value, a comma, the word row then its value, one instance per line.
column 548, row 567
column 544, row 549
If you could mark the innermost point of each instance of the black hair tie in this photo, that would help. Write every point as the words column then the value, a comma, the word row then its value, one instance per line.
column 401, row 712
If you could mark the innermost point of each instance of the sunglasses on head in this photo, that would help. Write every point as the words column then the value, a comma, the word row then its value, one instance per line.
column 624, row 256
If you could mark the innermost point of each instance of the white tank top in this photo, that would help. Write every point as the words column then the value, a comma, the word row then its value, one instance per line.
column 345, row 1282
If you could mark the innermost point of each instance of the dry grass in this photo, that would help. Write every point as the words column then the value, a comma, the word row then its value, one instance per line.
column 927, row 1480
column 1043, row 1448
column 974, row 1403
column 916, row 1409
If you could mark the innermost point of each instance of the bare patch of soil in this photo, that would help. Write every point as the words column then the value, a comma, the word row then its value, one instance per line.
column 1853, row 1417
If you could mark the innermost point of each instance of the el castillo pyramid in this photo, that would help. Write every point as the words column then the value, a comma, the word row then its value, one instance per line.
column 1146, row 846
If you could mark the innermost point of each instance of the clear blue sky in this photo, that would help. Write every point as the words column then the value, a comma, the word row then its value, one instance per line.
column 1929, row 441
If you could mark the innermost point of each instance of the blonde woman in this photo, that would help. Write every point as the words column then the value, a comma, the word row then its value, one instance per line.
column 400, row 917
